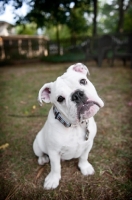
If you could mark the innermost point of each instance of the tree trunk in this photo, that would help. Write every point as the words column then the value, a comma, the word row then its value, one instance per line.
column 95, row 17
column 121, row 17
column 58, row 38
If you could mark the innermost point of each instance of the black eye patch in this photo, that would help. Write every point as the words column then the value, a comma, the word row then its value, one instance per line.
column 83, row 81
column 60, row 99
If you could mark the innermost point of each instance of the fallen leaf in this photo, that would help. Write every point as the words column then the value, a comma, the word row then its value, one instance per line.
column 34, row 107
column 40, row 171
column 4, row 146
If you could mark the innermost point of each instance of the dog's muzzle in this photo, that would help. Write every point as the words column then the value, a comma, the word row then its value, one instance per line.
column 79, row 97
column 85, row 107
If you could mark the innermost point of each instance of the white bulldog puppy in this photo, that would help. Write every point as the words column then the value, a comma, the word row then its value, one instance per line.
column 70, row 127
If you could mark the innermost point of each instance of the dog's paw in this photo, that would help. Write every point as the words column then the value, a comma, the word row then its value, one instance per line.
column 86, row 169
column 51, row 181
column 42, row 160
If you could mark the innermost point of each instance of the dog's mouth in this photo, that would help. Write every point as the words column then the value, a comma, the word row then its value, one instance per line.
column 87, row 110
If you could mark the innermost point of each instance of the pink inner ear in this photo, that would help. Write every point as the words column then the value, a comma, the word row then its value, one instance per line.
column 45, row 93
column 47, row 90
column 80, row 68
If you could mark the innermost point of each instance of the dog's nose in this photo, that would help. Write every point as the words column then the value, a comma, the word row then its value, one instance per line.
column 77, row 96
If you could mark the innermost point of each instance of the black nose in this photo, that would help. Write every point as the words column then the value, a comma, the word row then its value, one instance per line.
column 78, row 96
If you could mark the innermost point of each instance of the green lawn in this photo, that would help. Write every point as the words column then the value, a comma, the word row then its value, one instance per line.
column 21, row 118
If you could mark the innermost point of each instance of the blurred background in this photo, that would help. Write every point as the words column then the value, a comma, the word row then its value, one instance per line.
column 65, row 30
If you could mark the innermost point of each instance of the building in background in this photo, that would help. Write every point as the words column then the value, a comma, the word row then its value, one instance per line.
column 6, row 29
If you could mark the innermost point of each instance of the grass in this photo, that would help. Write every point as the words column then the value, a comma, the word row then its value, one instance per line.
column 21, row 118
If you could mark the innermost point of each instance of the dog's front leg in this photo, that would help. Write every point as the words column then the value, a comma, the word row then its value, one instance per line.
column 85, row 167
column 52, row 180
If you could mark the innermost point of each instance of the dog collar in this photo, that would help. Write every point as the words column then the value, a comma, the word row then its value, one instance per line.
column 87, row 131
column 59, row 117
column 67, row 124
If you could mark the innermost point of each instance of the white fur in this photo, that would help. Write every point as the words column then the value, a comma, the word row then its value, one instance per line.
column 57, row 141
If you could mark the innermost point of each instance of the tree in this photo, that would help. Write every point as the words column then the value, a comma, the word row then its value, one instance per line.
column 122, row 10
column 121, row 16
column 108, row 19
column 95, row 17
column 115, row 17
column 64, row 32
column 76, row 22
column 55, row 12
column 128, row 20
column 26, row 29
column 59, row 12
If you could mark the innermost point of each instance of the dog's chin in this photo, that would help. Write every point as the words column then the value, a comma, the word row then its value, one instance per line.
column 88, row 110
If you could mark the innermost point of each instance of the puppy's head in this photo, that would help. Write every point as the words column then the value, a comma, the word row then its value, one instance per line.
column 73, row 94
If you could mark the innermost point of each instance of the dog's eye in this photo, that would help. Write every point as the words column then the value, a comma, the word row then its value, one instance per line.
column 60, row 99
column 83, row 81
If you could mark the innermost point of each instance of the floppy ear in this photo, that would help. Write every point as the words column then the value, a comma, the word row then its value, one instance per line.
column 44, row 93
column 79, row 67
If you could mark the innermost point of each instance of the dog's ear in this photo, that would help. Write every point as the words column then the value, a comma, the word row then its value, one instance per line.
column 44, row 93
column 79, row 67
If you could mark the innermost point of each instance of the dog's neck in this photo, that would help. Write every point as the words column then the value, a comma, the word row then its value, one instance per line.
column 59, row 117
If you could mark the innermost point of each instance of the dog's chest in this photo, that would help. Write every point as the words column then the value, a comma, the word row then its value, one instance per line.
column 75, row 145
column 68, row 152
